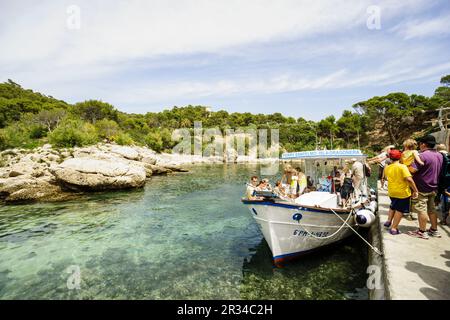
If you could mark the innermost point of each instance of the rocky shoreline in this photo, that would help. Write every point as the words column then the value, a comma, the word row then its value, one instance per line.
column 49, row 174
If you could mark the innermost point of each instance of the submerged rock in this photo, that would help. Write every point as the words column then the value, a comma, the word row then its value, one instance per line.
column 158, row 170
column 94, row 174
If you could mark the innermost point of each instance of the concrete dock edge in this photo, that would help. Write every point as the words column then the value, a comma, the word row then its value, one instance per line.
column 411, row 268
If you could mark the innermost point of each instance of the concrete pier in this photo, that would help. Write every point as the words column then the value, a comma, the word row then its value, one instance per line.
column 414, row 268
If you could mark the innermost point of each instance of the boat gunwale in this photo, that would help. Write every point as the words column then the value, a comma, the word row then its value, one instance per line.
column 294, row 205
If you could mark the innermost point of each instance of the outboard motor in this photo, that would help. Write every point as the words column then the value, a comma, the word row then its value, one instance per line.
column 364, row 218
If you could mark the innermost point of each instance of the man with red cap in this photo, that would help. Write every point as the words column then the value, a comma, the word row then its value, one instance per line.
column 400, row 183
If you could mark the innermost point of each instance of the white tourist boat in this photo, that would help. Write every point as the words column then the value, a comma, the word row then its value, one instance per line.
column 293, row 227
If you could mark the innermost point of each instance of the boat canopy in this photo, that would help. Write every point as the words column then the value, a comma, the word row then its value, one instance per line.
column 324, row 154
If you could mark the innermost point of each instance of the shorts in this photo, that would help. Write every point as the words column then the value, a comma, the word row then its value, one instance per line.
column 401, row 205
column 424, row 203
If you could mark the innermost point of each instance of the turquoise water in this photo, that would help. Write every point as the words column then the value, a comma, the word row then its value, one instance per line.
column 184, row 236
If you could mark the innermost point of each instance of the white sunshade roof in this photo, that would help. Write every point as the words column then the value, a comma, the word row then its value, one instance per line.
column 324, row 154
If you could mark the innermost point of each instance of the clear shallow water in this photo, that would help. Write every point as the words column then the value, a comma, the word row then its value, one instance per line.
column 185, row 236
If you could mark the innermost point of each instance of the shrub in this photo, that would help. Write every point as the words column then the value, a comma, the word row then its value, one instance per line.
column 154, row 141
column 71, row 133
column 17, row 135
column 107, row 129
column 37, row 132
column 3, row 141
column 123, row 139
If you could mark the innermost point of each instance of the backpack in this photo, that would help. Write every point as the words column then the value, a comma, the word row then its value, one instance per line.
column 347, row 188
column 444, row 179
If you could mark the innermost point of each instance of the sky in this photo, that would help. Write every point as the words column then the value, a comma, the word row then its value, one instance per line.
column 303, row 58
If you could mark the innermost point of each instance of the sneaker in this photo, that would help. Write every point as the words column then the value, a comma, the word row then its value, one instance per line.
column 434, row 233
column 387, row 224
column 409, row 217
column 394, row 232
column 418, row 234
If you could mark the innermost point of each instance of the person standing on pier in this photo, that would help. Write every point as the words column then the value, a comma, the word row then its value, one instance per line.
column 426, row 178
column 400, row 183
column 381, row 160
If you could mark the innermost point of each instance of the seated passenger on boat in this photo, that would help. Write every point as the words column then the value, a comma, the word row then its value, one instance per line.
column 279, row 190
column 251, row 187
column 267, row 185
column 262, row 185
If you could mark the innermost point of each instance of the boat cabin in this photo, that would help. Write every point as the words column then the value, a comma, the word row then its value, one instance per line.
column 323, row 169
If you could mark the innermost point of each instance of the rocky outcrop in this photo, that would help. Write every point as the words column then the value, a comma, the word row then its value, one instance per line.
column 23, row 189
column 28, row 187
column 83, row 174
column 48, row 174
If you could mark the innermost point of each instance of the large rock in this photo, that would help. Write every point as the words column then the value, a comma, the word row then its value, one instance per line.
column 149, row 160
column 94, row 174
column 24, row 189
column 126, row 152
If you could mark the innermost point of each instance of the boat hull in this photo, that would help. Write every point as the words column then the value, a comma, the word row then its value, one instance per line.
column 292, row 230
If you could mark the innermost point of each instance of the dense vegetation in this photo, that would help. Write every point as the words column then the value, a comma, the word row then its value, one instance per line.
column 29, row 119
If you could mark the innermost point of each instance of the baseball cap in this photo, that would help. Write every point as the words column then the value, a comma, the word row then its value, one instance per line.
column 395, row 154
column 428, row 139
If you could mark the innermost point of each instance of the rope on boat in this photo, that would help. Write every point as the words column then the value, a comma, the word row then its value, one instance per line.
column 334, row 233
column 375, row 249
column 345, row 222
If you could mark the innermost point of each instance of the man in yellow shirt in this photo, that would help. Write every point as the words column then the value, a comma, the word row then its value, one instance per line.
column 400, row 183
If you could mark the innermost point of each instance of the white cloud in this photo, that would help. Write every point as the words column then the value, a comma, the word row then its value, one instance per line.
column 418, row 29
column 39, row 51
column 123, row 30
column 343, row 78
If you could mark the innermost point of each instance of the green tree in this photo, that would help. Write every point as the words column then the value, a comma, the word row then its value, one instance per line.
column 327, row 129
column 393, row 112
column 352, row 129
column 50, row 118
column 443, row 92
column 94, row 110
